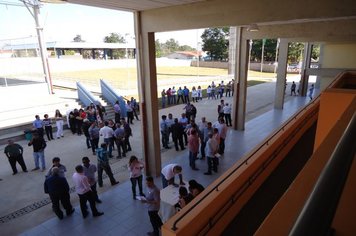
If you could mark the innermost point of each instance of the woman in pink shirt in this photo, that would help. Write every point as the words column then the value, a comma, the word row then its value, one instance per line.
column 135, row 168
column 193, row 146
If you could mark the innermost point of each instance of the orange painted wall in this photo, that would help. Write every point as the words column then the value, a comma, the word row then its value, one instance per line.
column 333, row 103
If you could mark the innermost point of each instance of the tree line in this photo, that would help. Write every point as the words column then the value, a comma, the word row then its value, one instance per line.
column 215, row 42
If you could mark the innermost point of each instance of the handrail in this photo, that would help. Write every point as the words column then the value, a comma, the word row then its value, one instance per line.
column 88, row 97
column 245, row 162
column 109, row 93
column 319, row 210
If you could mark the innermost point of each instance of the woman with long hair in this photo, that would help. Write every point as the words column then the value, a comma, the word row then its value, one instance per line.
column 135, row 168
column 59, row 123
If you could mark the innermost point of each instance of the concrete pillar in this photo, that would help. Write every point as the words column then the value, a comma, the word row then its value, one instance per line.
column 147, row 85
column 303, row 86
column 232, row 51
column 239, row 103
column 281, row 74
column 321, row 57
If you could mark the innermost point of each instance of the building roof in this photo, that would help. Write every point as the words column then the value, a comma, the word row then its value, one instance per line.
column 71, row 45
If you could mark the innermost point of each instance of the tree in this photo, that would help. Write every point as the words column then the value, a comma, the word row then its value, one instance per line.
column 216, row 43
column 269, row 53
column 295, row 52
column 78, row 38
column 158, row 46
column 114, row 38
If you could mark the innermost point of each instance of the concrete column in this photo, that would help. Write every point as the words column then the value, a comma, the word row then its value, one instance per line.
column 147, row 85
column 239, row 103
column 232, row 51
column 281, row 74
column 321, row 57
column 303, row 86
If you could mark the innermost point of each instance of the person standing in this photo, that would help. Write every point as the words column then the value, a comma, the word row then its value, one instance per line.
column 89, row 172
column 57, row 164
column 186, row 94
column 227, row 114
column 173, row 92
column 180, row 95
column 14, row 152
column 117, row 111
column 135, row 168
column 193, row 147
column 221, row 109
column 103, row 164
column 129, row 111
column 163, row 98
column 153, row 201
column 82, row 188
column 210, row 151
column 108, row 135
column 119, row 135
column 39, row 145
column 38, row 125
column 59, row 124
column 169, row 172
column 311, row 91
column 164, row 132
column 128, row 134
column 94, row 134
column 48, row 127
column 222, row 134
column 177, row 134
column 292, row 89
column 184, row 122
column 202, row 126
column 58, row 189
column 85, row 128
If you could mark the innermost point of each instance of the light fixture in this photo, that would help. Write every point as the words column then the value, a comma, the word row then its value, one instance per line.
column 253, row 28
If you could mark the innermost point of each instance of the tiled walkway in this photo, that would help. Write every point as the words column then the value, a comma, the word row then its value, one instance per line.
column 125, row 216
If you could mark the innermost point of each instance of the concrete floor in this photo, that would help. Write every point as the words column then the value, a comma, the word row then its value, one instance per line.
column 25, row 209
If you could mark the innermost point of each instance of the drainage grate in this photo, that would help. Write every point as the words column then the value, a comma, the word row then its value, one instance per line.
column 46, row 201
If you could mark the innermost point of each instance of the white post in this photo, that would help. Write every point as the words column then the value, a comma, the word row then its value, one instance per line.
column 263, row 49
column 249, row 54
column 276, row 59
column 42, row 46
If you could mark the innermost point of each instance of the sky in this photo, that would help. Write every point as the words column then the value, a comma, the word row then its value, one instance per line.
column 62, row 22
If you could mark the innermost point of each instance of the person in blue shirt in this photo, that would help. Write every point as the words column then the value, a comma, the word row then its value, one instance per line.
column 186, row 94
column 103, row 164
column 38, row 125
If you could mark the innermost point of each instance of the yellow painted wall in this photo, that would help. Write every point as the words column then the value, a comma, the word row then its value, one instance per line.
column 333, row 104
column 339, row 56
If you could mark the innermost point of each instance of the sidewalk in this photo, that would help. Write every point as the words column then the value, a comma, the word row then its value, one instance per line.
column 26, row 206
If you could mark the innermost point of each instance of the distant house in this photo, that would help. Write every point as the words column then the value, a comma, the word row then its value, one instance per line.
column 186, row 55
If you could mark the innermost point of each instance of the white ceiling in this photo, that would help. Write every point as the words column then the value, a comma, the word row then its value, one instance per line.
column 132, row 5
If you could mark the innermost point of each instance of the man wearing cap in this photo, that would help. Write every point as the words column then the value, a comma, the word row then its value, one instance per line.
column 14, row 151
column 58, row 189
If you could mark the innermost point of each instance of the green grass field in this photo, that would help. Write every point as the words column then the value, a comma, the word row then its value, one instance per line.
column 125, row 75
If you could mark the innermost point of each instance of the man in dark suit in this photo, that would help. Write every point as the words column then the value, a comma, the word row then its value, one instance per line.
column 58, row 189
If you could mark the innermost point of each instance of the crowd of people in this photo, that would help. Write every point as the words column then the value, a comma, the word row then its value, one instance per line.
column 204, row 137
column 173, row 96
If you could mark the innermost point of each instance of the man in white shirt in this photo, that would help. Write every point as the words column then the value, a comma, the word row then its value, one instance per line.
column 83, row 189
column 108, row 135
column 169, row 172
column 227, row 114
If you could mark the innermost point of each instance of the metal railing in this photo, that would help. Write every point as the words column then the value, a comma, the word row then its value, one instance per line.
column 253, row 177
column 85, row 96
column 319, row 210
column 109, row 94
